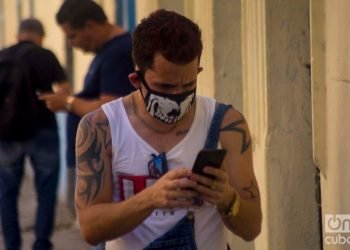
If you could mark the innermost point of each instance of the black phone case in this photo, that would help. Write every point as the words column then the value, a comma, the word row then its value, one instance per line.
column 208, row 157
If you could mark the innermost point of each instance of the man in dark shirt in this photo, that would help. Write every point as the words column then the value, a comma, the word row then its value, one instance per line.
column 42, row 148
column 87, row 28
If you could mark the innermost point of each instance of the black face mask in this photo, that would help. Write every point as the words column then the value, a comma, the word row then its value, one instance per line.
column 167, row 108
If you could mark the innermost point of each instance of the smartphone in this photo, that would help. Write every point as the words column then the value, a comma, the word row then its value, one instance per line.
column 208, row 157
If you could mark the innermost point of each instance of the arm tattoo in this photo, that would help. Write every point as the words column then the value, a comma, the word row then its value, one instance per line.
column 251, row 190
column 83, row 131
column 91, row 142
column 102, row 127
column 234, row 126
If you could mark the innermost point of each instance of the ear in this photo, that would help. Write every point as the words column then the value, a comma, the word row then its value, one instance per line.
column 135, row 80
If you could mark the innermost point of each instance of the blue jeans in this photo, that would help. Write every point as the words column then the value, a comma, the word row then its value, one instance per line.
column 43, row 151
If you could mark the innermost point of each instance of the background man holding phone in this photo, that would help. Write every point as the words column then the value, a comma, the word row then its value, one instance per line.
column 28, row 130
column 164, row 125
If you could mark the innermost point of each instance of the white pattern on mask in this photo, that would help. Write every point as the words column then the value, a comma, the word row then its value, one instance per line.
column 168, row 110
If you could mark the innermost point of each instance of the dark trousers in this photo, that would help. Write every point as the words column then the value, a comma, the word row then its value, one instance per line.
column 43, row 151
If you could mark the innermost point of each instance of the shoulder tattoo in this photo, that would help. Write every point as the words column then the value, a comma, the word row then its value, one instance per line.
column 91, row 142
column 237, row 127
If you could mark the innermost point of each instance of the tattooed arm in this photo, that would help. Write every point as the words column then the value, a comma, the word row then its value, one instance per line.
column 101, row 219
column 235, row 138
column 236, row 174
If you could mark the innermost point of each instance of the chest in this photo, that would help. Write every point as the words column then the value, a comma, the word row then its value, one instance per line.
column 161, row 142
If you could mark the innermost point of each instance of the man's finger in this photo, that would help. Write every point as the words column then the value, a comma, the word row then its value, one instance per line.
column 179, row 173
column 183, row 183
column 45, row 95
column 218, row 173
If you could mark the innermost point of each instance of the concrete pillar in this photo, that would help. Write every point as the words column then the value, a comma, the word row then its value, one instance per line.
column 318, row 84
column 336, row 173
column 227, row 68
column 255, row 98
column 227, row 46
column 277, row 102
column 203, row 16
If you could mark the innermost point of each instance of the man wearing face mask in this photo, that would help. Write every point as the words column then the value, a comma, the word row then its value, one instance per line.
column 135, row 185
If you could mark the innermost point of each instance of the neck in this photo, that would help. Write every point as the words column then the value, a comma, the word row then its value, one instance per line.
column 109, row 32
column 30, row 37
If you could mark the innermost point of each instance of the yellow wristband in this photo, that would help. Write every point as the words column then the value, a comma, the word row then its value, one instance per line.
column 234, row 206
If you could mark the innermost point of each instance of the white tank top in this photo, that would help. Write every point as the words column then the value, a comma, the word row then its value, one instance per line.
column 130, row 155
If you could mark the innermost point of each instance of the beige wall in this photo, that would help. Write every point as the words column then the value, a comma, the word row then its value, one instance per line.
column 45, row 11
column 54, row 40
column 10, row 22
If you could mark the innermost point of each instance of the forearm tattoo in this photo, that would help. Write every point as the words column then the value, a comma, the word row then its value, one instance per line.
column 251, row 190
column 235, row 126
column 91, row 141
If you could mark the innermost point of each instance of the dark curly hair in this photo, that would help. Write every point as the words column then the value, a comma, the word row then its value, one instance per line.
column 176, row 37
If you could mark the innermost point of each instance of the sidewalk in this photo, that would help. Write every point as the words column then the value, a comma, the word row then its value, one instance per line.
column 66, row 235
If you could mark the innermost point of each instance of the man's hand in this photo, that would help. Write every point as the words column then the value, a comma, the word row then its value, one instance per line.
column 217, row 191
column 54, row 101
column 59, row 87
column 173, row 190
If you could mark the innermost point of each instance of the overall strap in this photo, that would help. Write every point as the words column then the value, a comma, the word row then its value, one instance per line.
column 214, row 130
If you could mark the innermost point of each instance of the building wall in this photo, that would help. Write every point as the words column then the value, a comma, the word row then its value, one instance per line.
column 277, row 101
column 291, row 172
column 331, row 87
column 227, row 52
column 227, row 67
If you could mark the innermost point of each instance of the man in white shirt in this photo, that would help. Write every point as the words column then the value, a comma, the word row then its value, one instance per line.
column 163, row 125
